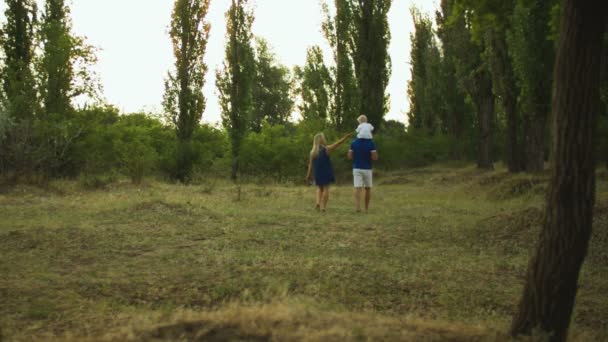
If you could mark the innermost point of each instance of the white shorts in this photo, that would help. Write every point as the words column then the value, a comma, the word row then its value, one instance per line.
column 362, row 178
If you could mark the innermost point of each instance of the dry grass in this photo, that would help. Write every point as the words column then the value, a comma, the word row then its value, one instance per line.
column 440, row 257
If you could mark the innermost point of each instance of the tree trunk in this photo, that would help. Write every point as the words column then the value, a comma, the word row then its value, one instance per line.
column 484, row 103
column 504, row 83
column 536, row 136
column 485, row 112
column 604, row 84
column 514, row 151
column 553, row 272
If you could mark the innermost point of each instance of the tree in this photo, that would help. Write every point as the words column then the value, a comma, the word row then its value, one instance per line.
column 18, row 96
column 533, row 54
column 552, row 277
column 17, row 41
column 454, row 113
column 473, row 77
column 184, row 101
column 425, row 85
column 491, row 21
column 64, row 68
column 315, row 86
column 371, row 37
column 272, row 102
column 235, row 80
column 338, row 31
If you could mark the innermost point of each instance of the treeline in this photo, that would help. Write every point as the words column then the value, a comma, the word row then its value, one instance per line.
column 46, row 68
column 480, row 88
column 484, row 71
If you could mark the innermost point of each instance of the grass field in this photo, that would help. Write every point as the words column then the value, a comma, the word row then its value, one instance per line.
column 440, row 256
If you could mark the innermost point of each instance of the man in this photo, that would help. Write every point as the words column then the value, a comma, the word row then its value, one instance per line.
column 362, row 152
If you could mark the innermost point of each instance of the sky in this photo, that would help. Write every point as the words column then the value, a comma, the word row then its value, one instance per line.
column 135, row 52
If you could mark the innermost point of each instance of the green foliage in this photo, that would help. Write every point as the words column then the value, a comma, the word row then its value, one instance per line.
column 338, row 30
column 17, row 42
column 400, row 148
column 64, row 69
column 137, row 157
column 184, row 101
column 315, row 86
column 371, row 36
column 272, row 89
column 425, row 87
column 234, row 81
column 454, row 113
column 277, row 152
column 533, row 54
column 6, row 123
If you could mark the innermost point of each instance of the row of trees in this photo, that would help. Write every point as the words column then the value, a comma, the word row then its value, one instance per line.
column 487, row 68
column 45, row 68
column 253, row 88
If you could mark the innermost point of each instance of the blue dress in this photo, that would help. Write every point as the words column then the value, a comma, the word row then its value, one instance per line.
column 322, row 168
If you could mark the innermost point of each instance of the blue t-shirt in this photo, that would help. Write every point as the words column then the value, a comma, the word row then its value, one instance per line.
column 362, row 153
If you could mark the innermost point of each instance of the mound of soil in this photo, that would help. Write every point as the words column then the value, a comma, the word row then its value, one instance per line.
column 515, row 186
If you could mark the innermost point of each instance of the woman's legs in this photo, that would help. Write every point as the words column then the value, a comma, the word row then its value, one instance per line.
column 324, row 197
column 319, row 197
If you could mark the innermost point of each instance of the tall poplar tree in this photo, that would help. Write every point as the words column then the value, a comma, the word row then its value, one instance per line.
column 64, row 69
column 454, row 113
column 424, row 87
column 17, row 41
column 315, row 86
column 57, row 69
column 235, row 80
column 371, row 38
column 272, row 88
column 533, row 55
column 338, row 30
column 184, row 101
column 491, row 21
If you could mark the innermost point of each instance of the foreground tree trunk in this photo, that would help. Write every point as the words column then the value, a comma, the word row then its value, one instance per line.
column 553, row 272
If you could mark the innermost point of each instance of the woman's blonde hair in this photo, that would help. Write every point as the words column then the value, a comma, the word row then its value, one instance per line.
column 316, row 145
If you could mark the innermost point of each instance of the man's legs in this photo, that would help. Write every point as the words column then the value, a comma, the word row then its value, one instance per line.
column 359, row 185
column 358, row 193
column 368, row 197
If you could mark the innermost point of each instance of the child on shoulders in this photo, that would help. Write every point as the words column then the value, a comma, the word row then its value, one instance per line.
column 364, row 131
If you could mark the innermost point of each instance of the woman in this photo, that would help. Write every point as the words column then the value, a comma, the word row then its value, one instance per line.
column 320, row 164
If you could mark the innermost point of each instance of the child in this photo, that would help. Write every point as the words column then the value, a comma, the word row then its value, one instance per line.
column 320, row 163
column 364, row 131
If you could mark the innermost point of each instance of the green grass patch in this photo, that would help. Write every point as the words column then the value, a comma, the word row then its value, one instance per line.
column 441, row 254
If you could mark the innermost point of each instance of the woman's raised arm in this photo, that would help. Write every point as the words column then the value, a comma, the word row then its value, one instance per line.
column 335, row 145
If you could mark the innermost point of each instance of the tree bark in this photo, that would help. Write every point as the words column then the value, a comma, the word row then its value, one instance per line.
column 536, row 136
column 552, row 277
column 503, row 81
column 485, row 113
column 484, row 103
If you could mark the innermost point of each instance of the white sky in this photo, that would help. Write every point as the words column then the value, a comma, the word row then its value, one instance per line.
column 136, row 52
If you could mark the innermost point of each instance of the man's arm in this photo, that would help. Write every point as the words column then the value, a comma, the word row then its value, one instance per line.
column 374, row 155
column 350, row 155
